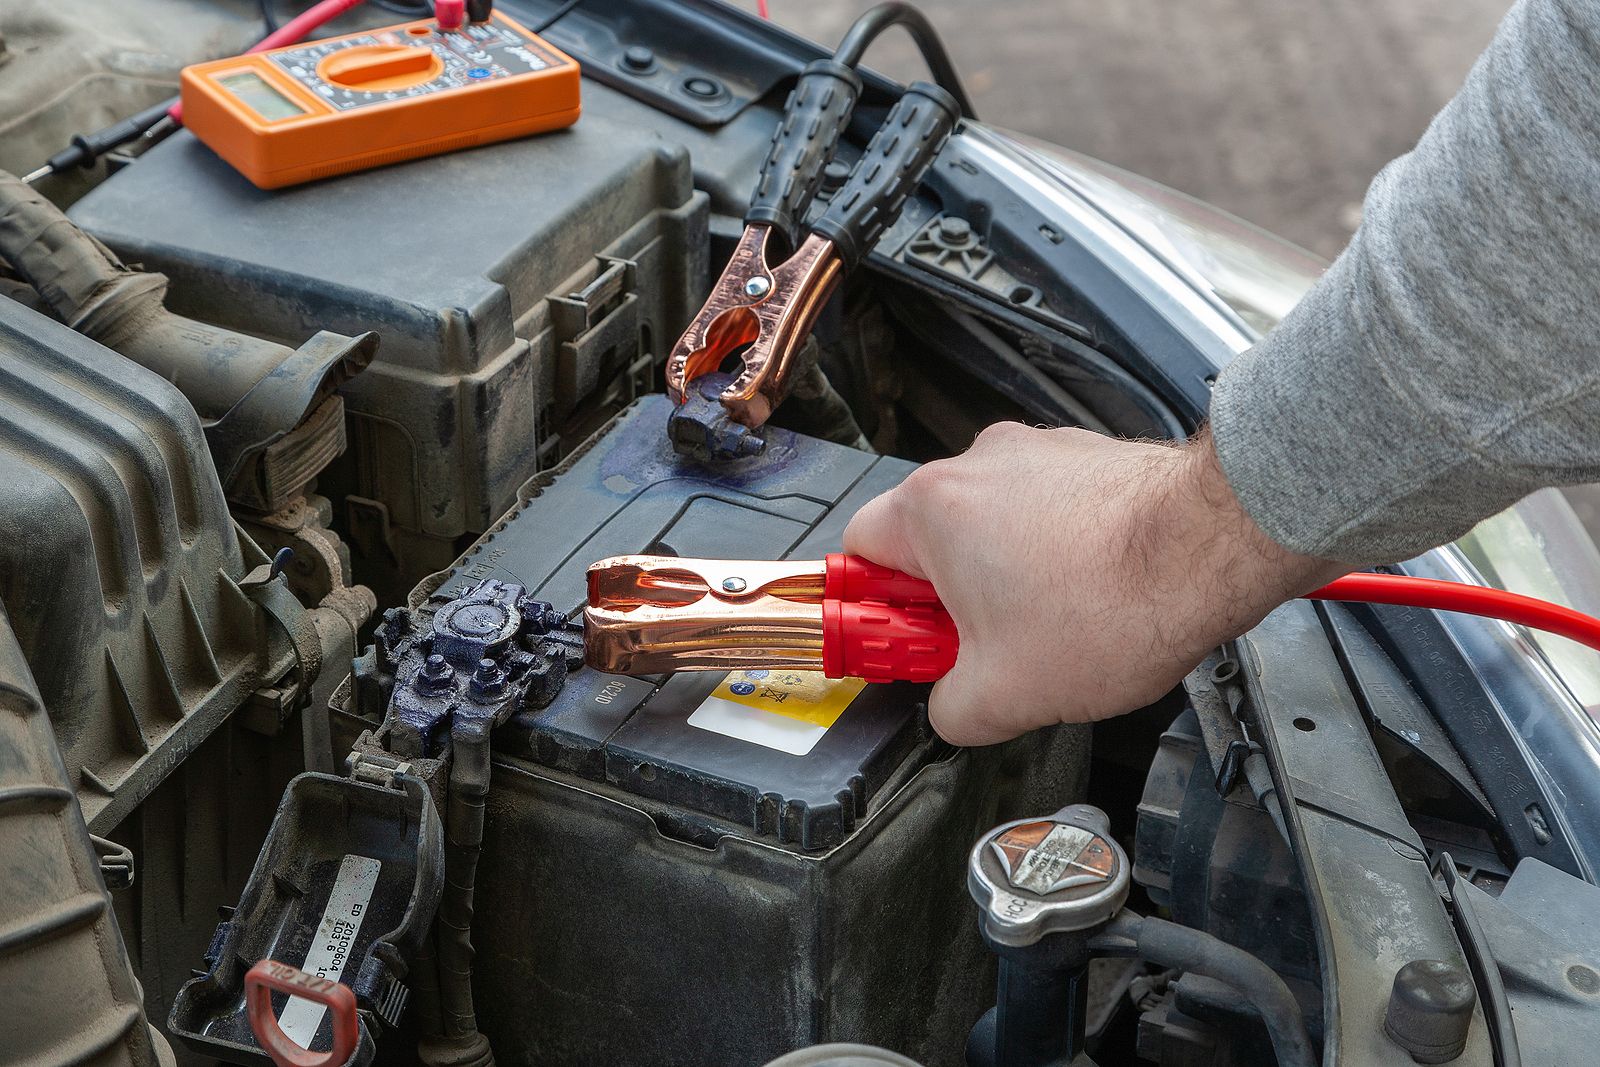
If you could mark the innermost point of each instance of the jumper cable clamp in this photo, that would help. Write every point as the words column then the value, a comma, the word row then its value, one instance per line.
column 763, row 312
column 841, row 615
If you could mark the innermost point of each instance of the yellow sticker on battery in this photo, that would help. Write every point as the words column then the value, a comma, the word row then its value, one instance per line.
column 783, row 709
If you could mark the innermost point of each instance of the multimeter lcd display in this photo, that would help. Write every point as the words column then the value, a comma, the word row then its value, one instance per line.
column 266, row 101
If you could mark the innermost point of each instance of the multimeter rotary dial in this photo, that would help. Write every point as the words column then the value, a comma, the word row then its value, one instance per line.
column 380, row 67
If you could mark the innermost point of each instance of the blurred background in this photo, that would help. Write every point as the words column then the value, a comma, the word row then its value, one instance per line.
column 1280, row 111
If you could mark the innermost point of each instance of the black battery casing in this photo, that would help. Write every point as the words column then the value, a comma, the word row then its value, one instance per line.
column 650, row 892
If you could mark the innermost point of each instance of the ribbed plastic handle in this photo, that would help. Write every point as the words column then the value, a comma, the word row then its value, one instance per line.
column 899, row 155
column 883, row 625
column 815, row 116
column 854, row 578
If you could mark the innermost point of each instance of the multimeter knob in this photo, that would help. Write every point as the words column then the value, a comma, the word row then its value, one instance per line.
column 380, row 67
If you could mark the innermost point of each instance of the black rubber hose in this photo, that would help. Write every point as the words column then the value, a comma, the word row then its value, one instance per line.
column 86, row 287
column 1188, row 949
column 866, row 29
column 459, row 1042
column 1485, row 972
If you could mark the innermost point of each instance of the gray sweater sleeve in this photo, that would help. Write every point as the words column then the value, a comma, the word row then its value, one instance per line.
column 1448, row 363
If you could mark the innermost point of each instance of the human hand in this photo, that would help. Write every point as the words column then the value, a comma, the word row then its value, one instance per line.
column 1086, row 575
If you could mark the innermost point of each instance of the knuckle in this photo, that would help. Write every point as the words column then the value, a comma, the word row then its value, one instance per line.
column 999, row 433
column 932, row 485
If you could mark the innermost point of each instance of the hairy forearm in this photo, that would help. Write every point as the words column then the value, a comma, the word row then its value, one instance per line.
column 1447, row 364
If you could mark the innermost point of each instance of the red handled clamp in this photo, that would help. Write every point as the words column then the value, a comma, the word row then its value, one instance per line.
column 771, row 309
column 843, row 616
column 269, row 976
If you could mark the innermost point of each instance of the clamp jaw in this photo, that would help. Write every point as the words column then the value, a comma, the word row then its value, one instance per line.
column 768, row 310
column 842, row 616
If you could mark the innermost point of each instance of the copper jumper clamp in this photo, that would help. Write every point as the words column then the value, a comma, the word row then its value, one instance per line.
column 842, row 615
column 768, row 309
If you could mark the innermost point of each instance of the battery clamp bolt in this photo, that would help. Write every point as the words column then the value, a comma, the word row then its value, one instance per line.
column 488, row 680
column 436, row 675
column 758, row 287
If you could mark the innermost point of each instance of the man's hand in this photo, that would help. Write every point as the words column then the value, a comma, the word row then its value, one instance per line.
column 1086, row 575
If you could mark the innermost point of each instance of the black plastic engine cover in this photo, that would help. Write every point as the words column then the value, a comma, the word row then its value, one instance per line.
column 654, row 892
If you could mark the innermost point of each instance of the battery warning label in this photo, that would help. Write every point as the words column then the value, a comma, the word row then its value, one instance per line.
column 786, row 710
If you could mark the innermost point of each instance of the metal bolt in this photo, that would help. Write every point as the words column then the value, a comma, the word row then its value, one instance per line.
column 488, row 679
column 955, row 229
column 733, row 585
column 758, row 287
column 436, row 674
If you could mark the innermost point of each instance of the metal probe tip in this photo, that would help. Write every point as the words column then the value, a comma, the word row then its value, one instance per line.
column 34, row 175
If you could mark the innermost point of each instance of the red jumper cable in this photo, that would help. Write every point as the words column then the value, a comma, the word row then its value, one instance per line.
column 845, row 616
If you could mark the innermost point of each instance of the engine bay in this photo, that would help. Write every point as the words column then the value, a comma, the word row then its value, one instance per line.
column 303, row 487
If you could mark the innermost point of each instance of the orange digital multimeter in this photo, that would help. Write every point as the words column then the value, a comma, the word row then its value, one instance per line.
column 347, row 103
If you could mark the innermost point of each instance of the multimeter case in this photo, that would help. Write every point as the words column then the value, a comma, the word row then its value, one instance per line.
column 618, row 830
column 341, row 854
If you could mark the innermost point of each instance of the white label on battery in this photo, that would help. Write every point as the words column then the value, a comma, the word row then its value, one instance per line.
column 330, row 947
column 787, row 710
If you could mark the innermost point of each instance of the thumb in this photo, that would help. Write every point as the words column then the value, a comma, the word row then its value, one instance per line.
column 965, row 707
column 878, row 532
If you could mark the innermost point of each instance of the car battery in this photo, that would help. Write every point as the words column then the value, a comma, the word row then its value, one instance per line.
column 659, row 848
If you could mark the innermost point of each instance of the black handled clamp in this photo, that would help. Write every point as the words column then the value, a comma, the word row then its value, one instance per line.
column 772, row 308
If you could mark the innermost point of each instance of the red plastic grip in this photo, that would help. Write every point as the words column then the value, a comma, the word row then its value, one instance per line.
column 851, row 578
column 450, row 14
column 269, row 975
column 883, row 625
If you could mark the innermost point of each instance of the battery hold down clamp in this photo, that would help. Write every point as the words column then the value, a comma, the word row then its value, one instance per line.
column 842, row 615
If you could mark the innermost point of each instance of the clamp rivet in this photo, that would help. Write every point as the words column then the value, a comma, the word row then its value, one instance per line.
column 733, row 585
column 758, row 286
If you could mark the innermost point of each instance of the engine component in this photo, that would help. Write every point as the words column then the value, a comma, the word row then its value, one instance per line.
column 1232, row 977
column 490, row 651
column 344, row 889
column 255, row 397
column 513, row 322
column 1043, row 887
column 121, row 568
column 1430, row 1009
column 709, row 825
column 71, row 996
